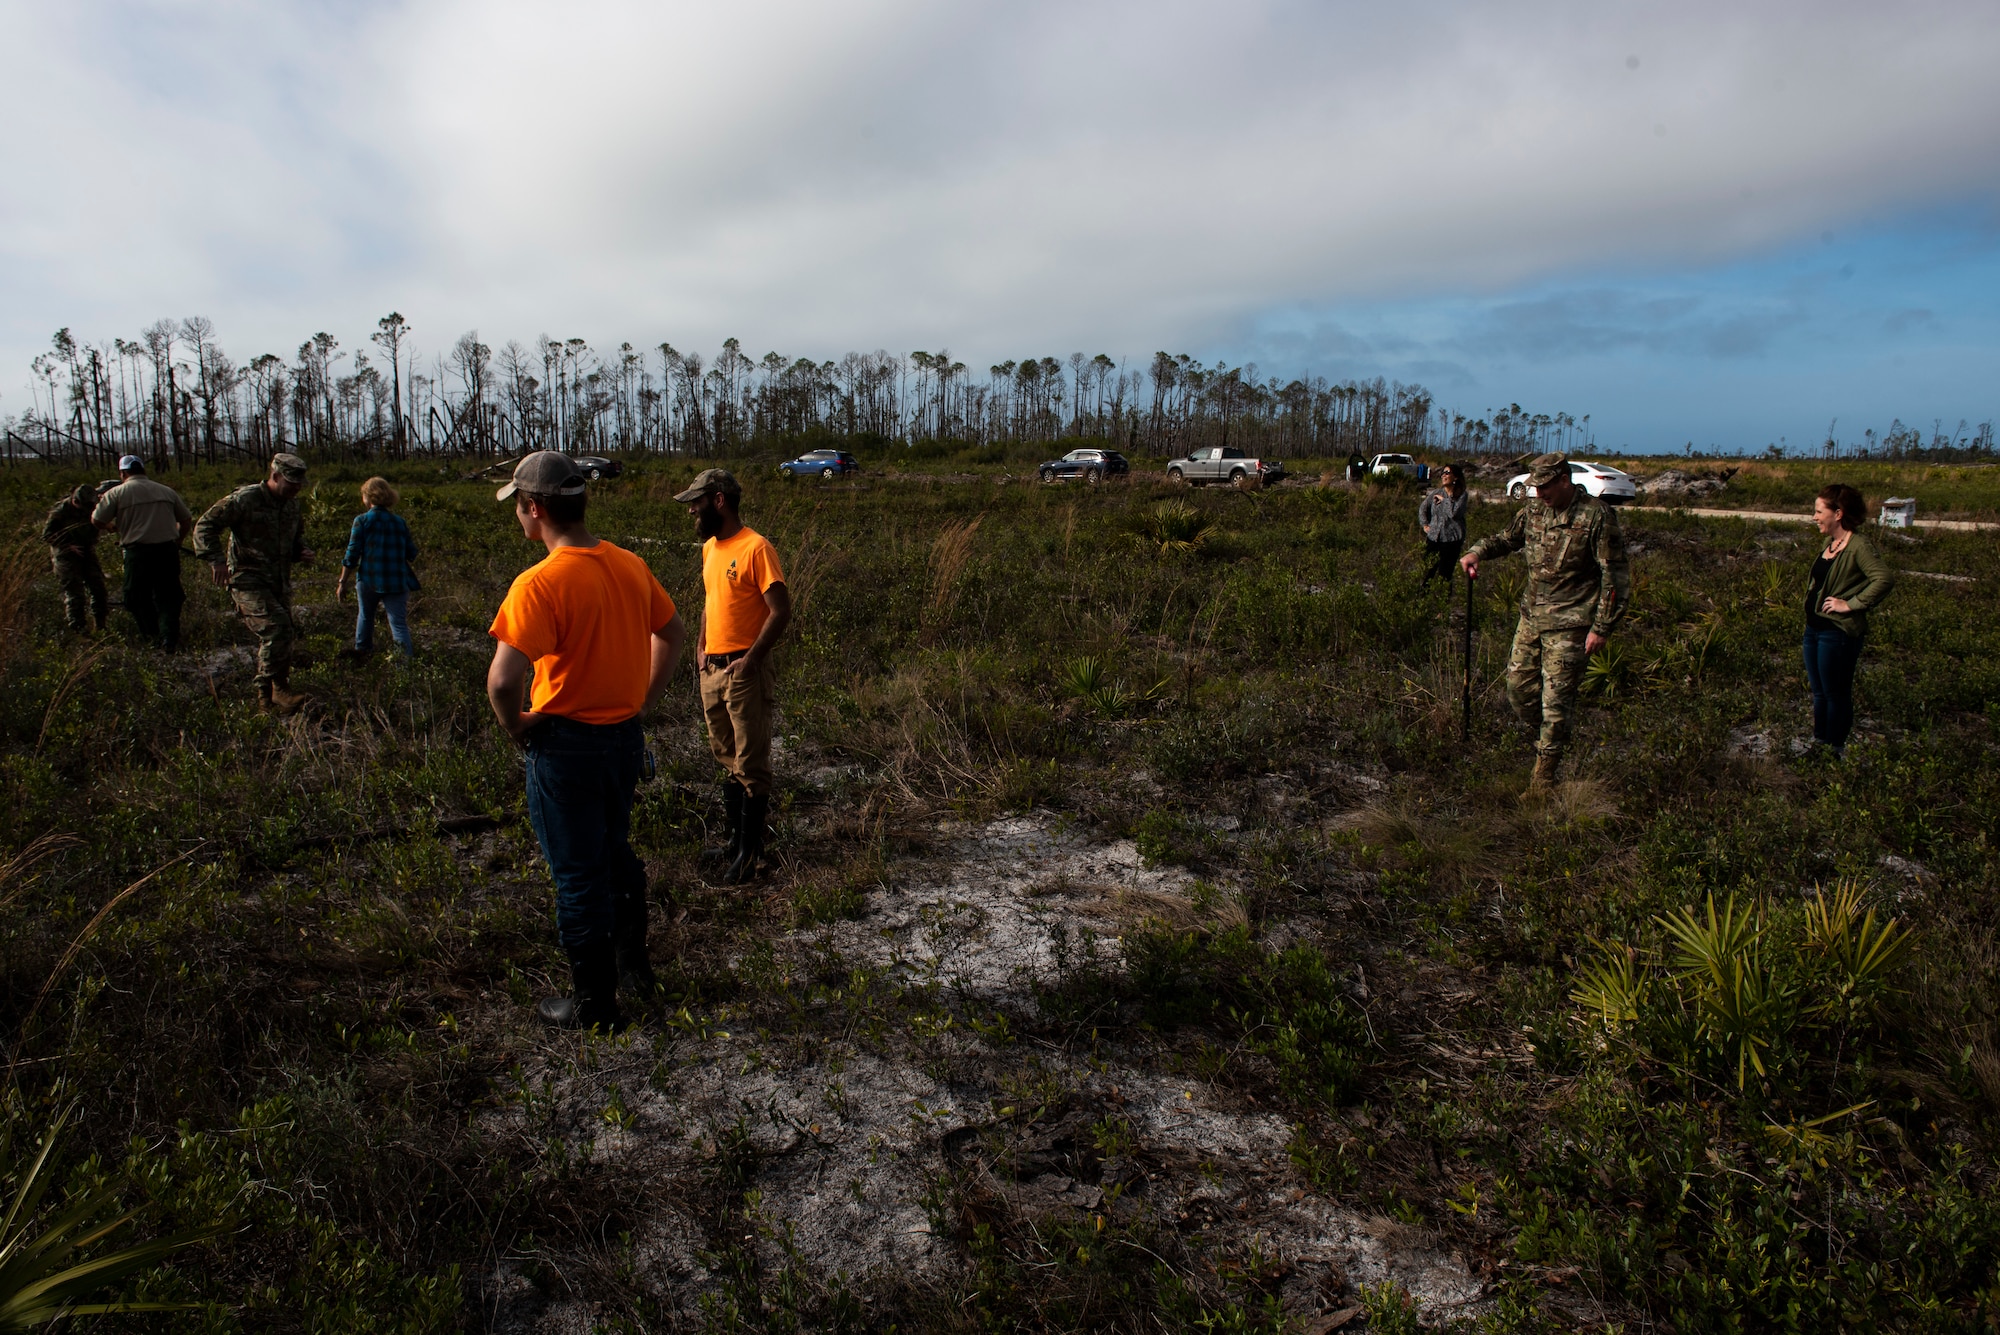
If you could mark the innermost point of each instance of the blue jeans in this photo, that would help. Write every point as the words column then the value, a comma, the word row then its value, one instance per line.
column 581, row 778
column 1831, row 656
column 397, row 605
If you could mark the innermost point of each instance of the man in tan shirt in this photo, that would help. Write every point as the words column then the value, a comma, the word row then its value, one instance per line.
column 151, row 521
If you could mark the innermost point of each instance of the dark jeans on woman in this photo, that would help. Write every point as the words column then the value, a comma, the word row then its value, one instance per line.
column 153, row 592
column 581, row 778
column 1443, row 557
column 1831, row 656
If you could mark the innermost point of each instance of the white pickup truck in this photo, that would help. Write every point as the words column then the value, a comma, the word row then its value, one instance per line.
column 1220, row 463
column 1384, row 464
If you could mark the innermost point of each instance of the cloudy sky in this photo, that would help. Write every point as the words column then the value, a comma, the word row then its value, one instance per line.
column 1723, row 224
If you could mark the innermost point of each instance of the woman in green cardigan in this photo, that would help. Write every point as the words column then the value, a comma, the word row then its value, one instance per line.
column 1846, row 581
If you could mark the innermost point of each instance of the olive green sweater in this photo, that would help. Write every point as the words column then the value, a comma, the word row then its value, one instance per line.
column 1860, row 577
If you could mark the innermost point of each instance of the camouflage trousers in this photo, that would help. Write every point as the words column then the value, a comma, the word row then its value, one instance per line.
column 1543, row 674
column 86, row 597
column 268, row 614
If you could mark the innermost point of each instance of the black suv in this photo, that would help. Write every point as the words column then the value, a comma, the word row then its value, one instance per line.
column 1090, row 465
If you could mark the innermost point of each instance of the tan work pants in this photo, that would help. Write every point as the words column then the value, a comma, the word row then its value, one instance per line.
column 739, row 708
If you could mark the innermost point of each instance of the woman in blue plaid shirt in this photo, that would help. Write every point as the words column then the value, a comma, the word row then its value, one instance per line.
column 380, row 547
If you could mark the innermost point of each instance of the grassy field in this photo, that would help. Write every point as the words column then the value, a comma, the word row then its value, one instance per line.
column 1302, row 963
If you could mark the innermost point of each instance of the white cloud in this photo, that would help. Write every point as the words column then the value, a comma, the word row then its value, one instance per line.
column 998, row 179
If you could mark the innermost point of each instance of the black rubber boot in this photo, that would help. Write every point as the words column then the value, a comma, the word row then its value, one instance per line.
column 593, row 999
column 636, row 978
column 744, row 868
column 732, row 814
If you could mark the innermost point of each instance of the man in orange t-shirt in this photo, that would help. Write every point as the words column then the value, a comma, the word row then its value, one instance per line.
column 745, row 608
column 601, row 638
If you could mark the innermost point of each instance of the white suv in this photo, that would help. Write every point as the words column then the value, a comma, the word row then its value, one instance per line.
column 1603, row 481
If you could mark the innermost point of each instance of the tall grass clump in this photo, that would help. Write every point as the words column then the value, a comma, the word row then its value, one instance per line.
column 945, row 568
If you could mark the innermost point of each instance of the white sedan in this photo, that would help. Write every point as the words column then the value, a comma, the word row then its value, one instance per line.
column 1603, row 481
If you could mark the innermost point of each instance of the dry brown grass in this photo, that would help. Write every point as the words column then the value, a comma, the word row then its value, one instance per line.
column 1453, row 849
column 947, row 562
column 919, row 741
column 19, row 565
column 1573, row 802
column 1434, row 695
column 1387, row 822
column 808, row 560
column 1161, row 909
column 13, row 872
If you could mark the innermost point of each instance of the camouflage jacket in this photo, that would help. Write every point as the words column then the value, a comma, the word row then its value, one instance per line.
column 1577, row 573
column 69, row 526
column 266, row 535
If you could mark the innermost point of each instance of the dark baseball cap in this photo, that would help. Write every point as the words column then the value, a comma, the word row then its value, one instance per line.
column 711, row 479
column 545, row 473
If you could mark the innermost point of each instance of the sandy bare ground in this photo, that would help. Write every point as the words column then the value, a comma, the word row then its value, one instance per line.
column 844, row 1145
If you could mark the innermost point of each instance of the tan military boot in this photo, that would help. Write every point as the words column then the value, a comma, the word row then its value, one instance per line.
column 264, row 696
column 1544, row 777
column 286, row 700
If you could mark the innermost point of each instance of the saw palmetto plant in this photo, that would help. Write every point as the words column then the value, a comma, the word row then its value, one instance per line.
column 1608, row 672
column 1743, row 1004
column 1175, row 528
column 59, row 1263
column 1862, row 953
column 1611, row 987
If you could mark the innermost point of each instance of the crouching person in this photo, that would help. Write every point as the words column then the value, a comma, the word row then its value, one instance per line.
column 601, row 638
column 72, row 541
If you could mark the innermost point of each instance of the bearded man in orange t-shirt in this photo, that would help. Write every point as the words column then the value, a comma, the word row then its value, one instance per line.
column 745, row 609
column 601, row 638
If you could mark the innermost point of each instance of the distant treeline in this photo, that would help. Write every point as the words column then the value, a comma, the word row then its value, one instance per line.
column 1968, row 444
column 172, row 395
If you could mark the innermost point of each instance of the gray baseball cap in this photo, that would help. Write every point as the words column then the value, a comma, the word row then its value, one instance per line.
column 545, row 473
column 289, row 467
column 131, row 463
column 711, row 479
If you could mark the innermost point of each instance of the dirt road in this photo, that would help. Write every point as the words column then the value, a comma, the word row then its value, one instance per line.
column 1798, row 518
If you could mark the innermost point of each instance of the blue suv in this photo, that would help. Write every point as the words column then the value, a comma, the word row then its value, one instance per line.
column 821, row 463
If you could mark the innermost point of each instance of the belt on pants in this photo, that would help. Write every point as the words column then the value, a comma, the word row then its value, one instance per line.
column 716, row 661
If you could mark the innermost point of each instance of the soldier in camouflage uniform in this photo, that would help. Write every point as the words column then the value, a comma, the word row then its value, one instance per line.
column 72, row 541
column 266, row 537
column 1578, row 584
